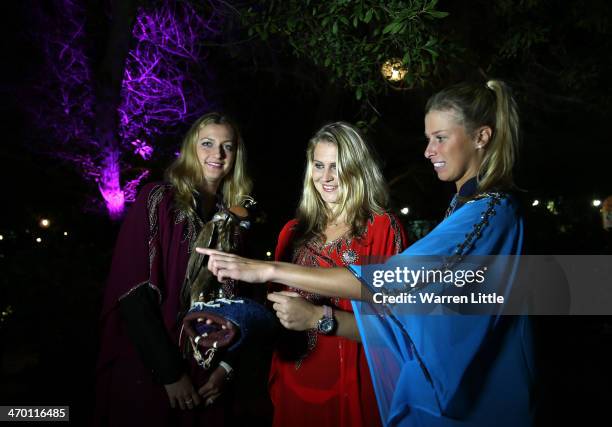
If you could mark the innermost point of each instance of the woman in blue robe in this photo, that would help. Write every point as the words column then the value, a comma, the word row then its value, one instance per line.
column 447, row 370
column 442, row 370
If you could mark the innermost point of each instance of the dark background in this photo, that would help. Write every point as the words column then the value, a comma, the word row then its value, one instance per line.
column 48, row 340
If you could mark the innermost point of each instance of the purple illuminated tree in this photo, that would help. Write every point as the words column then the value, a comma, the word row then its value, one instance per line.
column 106, row 119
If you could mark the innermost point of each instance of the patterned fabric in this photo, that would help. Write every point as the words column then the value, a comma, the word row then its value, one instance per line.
column 152, row 249
column 332, row 386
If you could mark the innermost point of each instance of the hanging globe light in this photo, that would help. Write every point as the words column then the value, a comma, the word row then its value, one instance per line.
column 393, row 70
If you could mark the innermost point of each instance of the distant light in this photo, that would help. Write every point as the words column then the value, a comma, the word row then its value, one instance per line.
column 268, row 253
column 38, row 240
column 4, row 315
column 536, row 202
column 596, row 203
column 65, row 233
column 44, row 223
column 393, row 70
column 1, row 237
column 405, row 210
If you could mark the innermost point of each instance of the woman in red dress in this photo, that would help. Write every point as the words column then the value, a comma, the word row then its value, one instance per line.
column 319, row 375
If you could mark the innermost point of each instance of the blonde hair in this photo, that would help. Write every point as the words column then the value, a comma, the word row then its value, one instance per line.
column 491, row 105
column 362, row 188
column 186, row 174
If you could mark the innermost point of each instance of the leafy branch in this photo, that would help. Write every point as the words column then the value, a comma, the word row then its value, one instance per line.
column 351, row 39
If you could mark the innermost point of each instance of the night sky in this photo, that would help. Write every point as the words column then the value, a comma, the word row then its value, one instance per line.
column 54, row 288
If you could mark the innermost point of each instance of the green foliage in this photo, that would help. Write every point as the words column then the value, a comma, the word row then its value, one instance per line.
column 351, row 39
column 523, row 32
column 556, row 55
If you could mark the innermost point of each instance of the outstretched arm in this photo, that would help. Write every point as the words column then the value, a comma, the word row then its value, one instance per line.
column 331, row 282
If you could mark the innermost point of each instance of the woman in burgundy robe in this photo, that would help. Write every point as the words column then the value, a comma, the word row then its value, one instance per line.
column 142, row 378
column 319, row 374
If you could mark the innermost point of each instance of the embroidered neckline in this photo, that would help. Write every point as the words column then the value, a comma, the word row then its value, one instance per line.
column 470, row 238
column 344, row 236
column 311, row 251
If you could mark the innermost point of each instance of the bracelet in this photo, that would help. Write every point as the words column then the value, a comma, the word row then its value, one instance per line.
column 229, row 371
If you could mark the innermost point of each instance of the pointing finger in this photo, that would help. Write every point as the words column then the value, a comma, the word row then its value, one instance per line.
column 208, row 251
column 277, row 297
column 289, row 294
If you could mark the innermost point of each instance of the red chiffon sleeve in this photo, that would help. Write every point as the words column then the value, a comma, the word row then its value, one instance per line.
column 386, row 236
column 285, row 242
column 284, row 248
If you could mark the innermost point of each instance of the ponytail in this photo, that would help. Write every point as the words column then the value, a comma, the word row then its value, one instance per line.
column 496, row 168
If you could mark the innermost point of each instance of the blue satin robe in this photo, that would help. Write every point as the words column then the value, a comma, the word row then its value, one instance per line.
column 453, row 370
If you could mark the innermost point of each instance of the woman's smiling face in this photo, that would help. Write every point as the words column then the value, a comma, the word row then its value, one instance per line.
column 216, row 151
column 325, row 172
column 454, row 154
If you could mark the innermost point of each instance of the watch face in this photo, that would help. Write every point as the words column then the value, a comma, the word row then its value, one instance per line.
column 326, row 325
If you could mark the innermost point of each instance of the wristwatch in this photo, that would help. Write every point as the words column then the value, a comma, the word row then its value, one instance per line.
column 327, row 324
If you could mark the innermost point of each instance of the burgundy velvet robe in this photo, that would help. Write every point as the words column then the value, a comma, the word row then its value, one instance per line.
column 152, row 249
